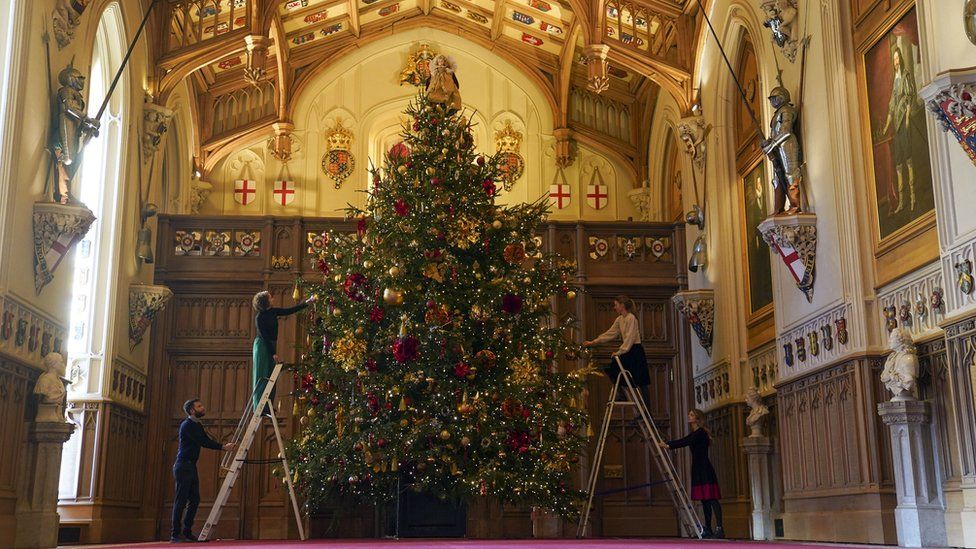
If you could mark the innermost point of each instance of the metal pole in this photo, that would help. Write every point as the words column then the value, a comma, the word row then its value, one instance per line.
column 728, row 64
column 125, row 61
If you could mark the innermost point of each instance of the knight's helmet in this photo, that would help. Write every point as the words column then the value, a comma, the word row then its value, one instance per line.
column 70, row 75
column 780, row 93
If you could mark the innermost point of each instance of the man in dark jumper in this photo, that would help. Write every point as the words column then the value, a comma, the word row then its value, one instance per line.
column 187, row 495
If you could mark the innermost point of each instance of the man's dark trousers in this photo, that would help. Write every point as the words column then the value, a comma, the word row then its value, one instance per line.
column 187, row 495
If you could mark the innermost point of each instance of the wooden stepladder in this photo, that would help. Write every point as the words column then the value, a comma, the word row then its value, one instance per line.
column 232, row 464
column 682, row 503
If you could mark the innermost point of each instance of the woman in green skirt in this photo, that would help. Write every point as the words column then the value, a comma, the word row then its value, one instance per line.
column 265, row 344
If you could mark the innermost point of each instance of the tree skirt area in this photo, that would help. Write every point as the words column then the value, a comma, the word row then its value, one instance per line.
column 491, row 544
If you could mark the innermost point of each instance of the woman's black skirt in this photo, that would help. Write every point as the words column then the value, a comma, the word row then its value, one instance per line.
column 635, row 362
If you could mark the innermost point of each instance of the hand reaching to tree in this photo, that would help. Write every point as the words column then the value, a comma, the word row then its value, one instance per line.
column 229, row 446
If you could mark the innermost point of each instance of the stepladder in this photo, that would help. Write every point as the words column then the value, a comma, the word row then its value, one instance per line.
column 688, row 520
column 232, row 463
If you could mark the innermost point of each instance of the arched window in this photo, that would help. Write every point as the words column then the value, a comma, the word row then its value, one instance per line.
column 98, row 186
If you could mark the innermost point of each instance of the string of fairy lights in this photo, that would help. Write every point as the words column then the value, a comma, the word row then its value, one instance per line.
column 433, row 356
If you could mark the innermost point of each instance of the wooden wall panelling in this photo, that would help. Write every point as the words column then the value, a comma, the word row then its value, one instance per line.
column 205, row 346
column 16, row 408
column 961, row 354
column 934, row 387
column 627, row 461
column 834, row 456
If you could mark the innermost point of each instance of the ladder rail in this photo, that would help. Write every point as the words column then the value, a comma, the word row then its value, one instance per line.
column 233, row 462
column 678, row 495
column 687, row 517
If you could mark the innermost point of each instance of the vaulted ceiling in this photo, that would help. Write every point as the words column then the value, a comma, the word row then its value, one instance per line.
column 619, row 52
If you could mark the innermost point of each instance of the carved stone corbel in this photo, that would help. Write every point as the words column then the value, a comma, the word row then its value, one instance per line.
column 155, row 123
column 641, row 197
column 597, row 66
column 198, row 192
column 145, row 302
column 692, row 131
column 781, row 18
column 794, row 239
column 255, row 71
column 565, row 149
column 57, row 228
column 951, row 98
column 698, row 308
column 282, row 145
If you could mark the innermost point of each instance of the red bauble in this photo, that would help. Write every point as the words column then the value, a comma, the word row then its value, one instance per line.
column 401, row 207
column 461, row 369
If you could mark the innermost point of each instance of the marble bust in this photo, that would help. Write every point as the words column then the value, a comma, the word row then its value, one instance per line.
column 901, row 367
column 50, row 390
column 757, row 412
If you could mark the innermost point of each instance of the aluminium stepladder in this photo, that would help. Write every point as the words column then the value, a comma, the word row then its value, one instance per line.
column 231, row 463
column 687, row 516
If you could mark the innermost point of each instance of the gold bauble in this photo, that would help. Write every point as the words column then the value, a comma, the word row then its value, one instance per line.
column 394, row 271
column 337, row 278
column 359, row 330
column 368, row 264
column 404, row 422
column 571, row 294
column 465, row 441
column 401, row 169
column 393, row 297
column 337, row 312
column 445, row 434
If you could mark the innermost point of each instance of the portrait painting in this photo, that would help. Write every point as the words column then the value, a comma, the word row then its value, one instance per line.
column 755, row 207
column 899, row 142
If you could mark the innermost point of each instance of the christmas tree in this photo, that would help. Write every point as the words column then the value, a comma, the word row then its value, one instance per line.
column 435, row 352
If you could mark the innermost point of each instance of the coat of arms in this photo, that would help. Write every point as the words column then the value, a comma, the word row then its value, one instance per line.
column 598, row 247
column 338, row 162
column 828, row 337
column 965, row 281
column 508, row 141
column 417, row 70
column 597, row 196
column 284, row 192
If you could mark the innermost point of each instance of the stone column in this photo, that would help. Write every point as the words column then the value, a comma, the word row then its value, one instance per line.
column 759, row 450
column 919, row 516
column 37, row 507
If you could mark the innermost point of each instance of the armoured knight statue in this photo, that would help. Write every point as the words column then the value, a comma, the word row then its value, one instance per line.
column 783, row 150
column 75, row 128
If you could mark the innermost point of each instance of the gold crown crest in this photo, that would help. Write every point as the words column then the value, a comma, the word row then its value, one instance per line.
column 339, row 137
column 508, row 139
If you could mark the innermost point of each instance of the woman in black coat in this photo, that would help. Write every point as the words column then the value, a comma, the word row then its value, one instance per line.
column 704, row 483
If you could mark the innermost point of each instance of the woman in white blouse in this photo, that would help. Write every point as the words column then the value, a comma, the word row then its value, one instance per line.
column 631, row 352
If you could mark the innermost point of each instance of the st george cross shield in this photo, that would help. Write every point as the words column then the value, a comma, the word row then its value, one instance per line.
column 284, row 192
column 596, row 196
column 560, row 195
column 245, row 191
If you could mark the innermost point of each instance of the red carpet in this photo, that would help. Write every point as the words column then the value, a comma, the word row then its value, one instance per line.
column 492, row 544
